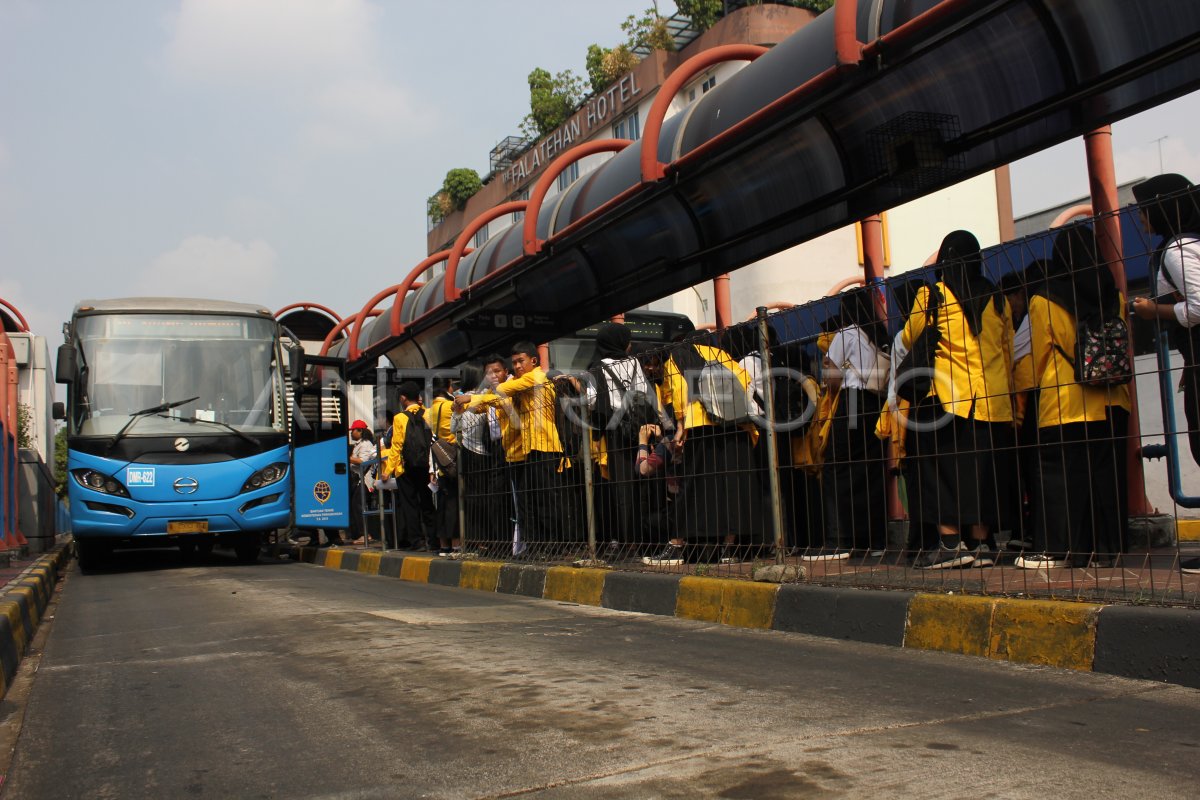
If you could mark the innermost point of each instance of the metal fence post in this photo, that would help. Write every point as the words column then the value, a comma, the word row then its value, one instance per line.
column 768, row 391
column 461, row 486
column 589, row 486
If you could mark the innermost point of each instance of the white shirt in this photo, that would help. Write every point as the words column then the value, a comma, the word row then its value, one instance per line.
column 473, row 430
column 1181, row 260
column 1023, row 340
column 753, row 365
column 853, row 353
column 364, row 450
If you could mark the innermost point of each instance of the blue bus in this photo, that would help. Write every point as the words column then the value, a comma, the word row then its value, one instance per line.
column 183, row 429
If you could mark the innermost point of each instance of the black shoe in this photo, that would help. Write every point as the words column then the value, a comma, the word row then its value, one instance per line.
column 945, row 557
column 670, row 556
column 1190, row 567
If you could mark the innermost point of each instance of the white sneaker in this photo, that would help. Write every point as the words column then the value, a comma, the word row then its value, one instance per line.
column 1039, row 561
column 983, row 556
column 826, row 555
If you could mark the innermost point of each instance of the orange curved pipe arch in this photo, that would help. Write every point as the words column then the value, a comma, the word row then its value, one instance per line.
column 17, row 316
column 530, row 243
column 333, row 334
column 450, row 291
column 410, row 283
column 778, row 306
column 653, row 169
column 307, row 307
column 353, row 352
column 846, row 283
column 1074, row 212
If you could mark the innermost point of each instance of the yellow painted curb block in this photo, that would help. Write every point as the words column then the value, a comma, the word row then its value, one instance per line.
column 481, row 575
column 950, row 623
column 573, row 585
column 31, row 596
column 1188, row 530
column 415, row 568
column 729, row 602
column 333, row 559
column 369, row 563
column 1056, row 634
column 12, row 610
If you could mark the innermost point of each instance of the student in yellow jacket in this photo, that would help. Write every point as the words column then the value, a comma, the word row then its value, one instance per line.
column 414, row 503
column 968, row 412
column 1082, row 513
column 721, row 491
column 537, row 481
column 438, row 417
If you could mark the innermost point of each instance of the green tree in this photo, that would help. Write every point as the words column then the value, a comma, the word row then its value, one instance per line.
column 24, row 426
column 648, row 32
column 438, row 206
column 552, row 100
column 60, row 462
column 702, row 13
column 813, row 5
column 605, row 65
column 460, row 185
column 594, row 64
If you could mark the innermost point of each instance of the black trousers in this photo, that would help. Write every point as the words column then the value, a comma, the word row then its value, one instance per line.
column 1080, row 512
column 414, row 510
column 539, row 497
column 854, row 481
column 487, row 497
column 445, row 513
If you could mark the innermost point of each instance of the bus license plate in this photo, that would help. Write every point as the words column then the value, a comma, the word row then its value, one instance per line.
column 188, row 526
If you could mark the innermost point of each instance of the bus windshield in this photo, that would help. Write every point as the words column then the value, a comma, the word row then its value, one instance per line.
column 132, row 362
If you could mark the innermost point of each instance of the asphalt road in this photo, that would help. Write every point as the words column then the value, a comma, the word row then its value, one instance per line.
column 288, row 680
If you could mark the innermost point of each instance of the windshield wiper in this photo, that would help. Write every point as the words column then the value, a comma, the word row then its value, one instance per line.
column 225, row 425
column 135, row 416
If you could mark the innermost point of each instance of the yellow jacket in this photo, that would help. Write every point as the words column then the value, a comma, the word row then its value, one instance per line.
column 534, row 399
column 968, row 371
column 393, row 457
column 1061, row 401
column 438, row 419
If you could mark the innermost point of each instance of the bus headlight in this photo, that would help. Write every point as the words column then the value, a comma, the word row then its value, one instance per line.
column 273, row 473
column 99, row 482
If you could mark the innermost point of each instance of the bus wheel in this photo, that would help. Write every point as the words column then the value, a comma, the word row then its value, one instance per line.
column 247, row 548
column 91, row 555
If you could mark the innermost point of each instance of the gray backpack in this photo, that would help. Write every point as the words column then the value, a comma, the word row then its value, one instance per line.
column 722, row 394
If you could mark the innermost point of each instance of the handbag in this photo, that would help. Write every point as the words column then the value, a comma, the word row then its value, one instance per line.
column 445, row 455
column 914, row 374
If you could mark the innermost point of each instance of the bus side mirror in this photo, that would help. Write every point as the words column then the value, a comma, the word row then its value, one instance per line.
column 65, row 368
column 58, row 411
column 296, row 365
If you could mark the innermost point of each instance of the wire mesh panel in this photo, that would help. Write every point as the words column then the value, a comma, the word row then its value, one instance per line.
column 1005, row 421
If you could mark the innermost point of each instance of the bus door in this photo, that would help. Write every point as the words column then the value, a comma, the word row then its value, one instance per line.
column 320, row 450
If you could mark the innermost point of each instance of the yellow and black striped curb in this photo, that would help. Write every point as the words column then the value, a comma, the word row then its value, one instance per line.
column 1152, row 643
column 22, row 603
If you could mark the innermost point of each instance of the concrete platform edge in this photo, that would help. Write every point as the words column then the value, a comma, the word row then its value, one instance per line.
column 1148, row 643
column 23, row 602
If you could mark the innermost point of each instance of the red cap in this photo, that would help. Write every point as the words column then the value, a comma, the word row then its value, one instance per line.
column 358, row 425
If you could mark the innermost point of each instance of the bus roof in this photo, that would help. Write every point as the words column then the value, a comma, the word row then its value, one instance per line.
column 168, row 305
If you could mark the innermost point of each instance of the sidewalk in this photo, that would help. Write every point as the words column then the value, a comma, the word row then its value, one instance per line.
column 1136, row 641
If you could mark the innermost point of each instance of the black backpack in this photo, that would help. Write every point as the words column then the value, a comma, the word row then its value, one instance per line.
column 637, row 409
column 414, row 451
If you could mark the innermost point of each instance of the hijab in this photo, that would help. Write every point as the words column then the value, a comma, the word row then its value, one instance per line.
column 1170, row 203
column 858, row 308
column 612, row 341
column 1075, row 279
column 960, row 267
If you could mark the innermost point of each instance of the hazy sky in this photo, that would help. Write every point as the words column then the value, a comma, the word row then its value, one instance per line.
column 280, row 150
